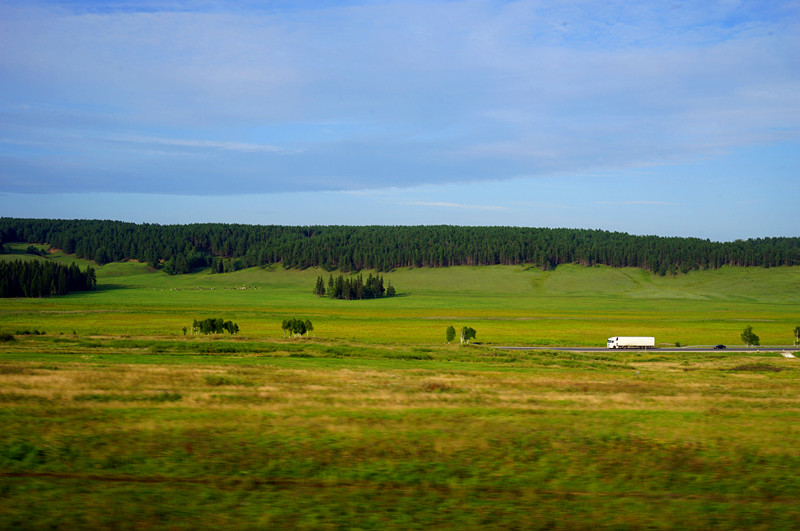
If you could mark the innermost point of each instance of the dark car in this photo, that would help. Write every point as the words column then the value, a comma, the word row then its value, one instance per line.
column 719, row 346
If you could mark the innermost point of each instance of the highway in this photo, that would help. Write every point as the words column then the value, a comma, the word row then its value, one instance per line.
column 694, row 349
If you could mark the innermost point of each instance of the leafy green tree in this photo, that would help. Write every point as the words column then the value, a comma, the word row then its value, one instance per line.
column 748, row 337
column 467, row 333
column 296, row 327
column 214, row 326
column 796, row 335
column 390, row 292
column 450, row 333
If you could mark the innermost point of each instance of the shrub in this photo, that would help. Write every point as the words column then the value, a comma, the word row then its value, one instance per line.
column 219, row 379
column 757, row 367
column 435, row 387
column 97, row 397
column 27, row 332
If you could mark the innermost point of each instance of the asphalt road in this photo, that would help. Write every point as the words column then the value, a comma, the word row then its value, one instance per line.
column 701, row 348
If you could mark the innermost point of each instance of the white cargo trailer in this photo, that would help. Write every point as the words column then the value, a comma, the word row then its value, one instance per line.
column 631, row 342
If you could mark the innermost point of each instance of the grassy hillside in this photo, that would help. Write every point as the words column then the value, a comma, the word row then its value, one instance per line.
column 113, row 419
column 572, row 305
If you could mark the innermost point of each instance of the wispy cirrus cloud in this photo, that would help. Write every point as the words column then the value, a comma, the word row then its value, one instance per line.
column 444, row 204
column 662, row 203
column 243, row 147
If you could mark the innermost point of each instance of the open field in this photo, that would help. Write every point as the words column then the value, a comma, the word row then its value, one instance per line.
column 134, row 433
column 572, row 305
column 115, row 419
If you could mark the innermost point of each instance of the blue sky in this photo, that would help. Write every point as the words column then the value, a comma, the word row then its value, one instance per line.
column 668, row 118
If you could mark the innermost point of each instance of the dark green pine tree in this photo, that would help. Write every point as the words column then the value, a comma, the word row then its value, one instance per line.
column 319, row 290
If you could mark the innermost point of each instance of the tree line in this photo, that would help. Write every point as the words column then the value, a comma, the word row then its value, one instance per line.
column 43, row 278
column 226, row 247
column 354, row 288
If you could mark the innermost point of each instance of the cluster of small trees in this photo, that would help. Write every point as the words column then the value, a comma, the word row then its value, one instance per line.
column 214, row 326
column 43, row 278
column 354, row 288
column 296, row 327
column 467, row 333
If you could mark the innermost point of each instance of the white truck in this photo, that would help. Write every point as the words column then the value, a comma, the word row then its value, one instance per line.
column 631, row 342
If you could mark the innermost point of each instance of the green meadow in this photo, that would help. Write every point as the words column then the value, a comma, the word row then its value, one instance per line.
column 570, row 306
column 114, row 419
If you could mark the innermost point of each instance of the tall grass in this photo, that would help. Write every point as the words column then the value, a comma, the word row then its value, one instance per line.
column 115, row 434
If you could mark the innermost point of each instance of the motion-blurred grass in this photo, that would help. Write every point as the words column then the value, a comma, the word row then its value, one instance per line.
column 186, row 433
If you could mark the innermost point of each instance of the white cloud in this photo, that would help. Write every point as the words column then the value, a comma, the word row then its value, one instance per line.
column 371, row 95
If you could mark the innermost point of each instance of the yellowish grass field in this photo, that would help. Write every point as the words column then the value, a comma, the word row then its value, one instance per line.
column 303, row 434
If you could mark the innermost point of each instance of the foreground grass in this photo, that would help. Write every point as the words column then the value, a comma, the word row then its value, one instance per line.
column 141, row 433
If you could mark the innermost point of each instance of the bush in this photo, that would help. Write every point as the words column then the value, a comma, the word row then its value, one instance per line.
column 5, row 337
column 218, row 379
column 757, row 367
column 435, row 387
column 27, row 332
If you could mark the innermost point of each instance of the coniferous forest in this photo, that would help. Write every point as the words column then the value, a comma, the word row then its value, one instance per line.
column 355, row 288
column 43, row 278
column 228, row 247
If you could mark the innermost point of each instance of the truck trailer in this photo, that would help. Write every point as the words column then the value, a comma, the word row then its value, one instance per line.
column 631, row 342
